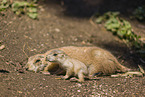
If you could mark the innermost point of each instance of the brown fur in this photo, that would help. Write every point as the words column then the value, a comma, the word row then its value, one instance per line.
column 95, row 58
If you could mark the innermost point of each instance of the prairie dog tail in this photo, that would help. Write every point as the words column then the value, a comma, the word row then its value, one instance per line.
column 123, row 68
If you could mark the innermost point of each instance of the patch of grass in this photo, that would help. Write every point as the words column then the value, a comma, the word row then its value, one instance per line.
column 21, row 7
column 120, row 27
column 139, row 13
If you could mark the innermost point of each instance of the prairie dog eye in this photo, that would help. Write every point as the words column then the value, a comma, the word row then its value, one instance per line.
column 37, row 61
column 54, row 54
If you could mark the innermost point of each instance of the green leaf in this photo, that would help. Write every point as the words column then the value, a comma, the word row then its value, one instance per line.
column 121, row 33
column 3, row 7
column 4, row 1
column 15, row 6
column 33, row 5
column 126, row 24
column 18, row 12
column 22, row 3
column 99, row 20
column 31, row 9
column 129, row 32
column 32, row 15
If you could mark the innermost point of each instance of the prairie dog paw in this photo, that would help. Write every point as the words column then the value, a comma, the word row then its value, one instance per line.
column 65, row 77
column 46, row 73
column 81, row 80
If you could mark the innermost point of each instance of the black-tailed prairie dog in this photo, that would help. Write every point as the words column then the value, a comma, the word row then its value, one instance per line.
column 96, row 59
column 70, row 65
column 37, row 63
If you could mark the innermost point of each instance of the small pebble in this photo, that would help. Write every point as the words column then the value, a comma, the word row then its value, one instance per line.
column 2, row 47
column 78, row 90
column 79, row 85
column 57, row 30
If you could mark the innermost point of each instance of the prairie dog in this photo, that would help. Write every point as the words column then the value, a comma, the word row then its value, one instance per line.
column 95, row 58
column 72, row 66
column 37, row 63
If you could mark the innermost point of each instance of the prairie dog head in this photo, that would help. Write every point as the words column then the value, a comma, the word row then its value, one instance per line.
column 36, row 63
column 56, row 56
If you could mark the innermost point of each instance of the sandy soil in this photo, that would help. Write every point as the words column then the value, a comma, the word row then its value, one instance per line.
column 63, row 24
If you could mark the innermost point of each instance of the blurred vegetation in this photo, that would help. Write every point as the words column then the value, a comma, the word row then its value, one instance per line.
column 4, row 4
column 139, row 13
column 21, row 7
column 121, row 28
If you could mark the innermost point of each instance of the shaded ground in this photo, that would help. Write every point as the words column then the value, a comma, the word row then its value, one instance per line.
column 56, row 27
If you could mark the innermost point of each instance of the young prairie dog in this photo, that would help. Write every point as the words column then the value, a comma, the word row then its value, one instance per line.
column 72, row 66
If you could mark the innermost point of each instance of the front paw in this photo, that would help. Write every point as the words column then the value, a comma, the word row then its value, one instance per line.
column 81, row 80
column 65, row 77
column 46, row 73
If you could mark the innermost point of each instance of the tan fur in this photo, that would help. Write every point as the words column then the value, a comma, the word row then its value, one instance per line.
column 72, row 66
column 37, row 63
column 95, row 58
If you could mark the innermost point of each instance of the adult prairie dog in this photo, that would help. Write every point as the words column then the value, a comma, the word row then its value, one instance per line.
column 72, row 66
column 95, row 58
column 37, row 63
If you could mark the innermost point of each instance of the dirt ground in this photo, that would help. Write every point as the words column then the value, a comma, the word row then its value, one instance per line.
column 65, row 23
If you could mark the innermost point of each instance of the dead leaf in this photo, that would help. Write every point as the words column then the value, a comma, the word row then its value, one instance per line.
column 58, row 78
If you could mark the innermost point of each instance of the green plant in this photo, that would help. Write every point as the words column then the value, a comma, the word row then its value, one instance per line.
column 4, row 4
column 139, row 13
column 23, row 7
column 120, row 27
column 106, row 16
